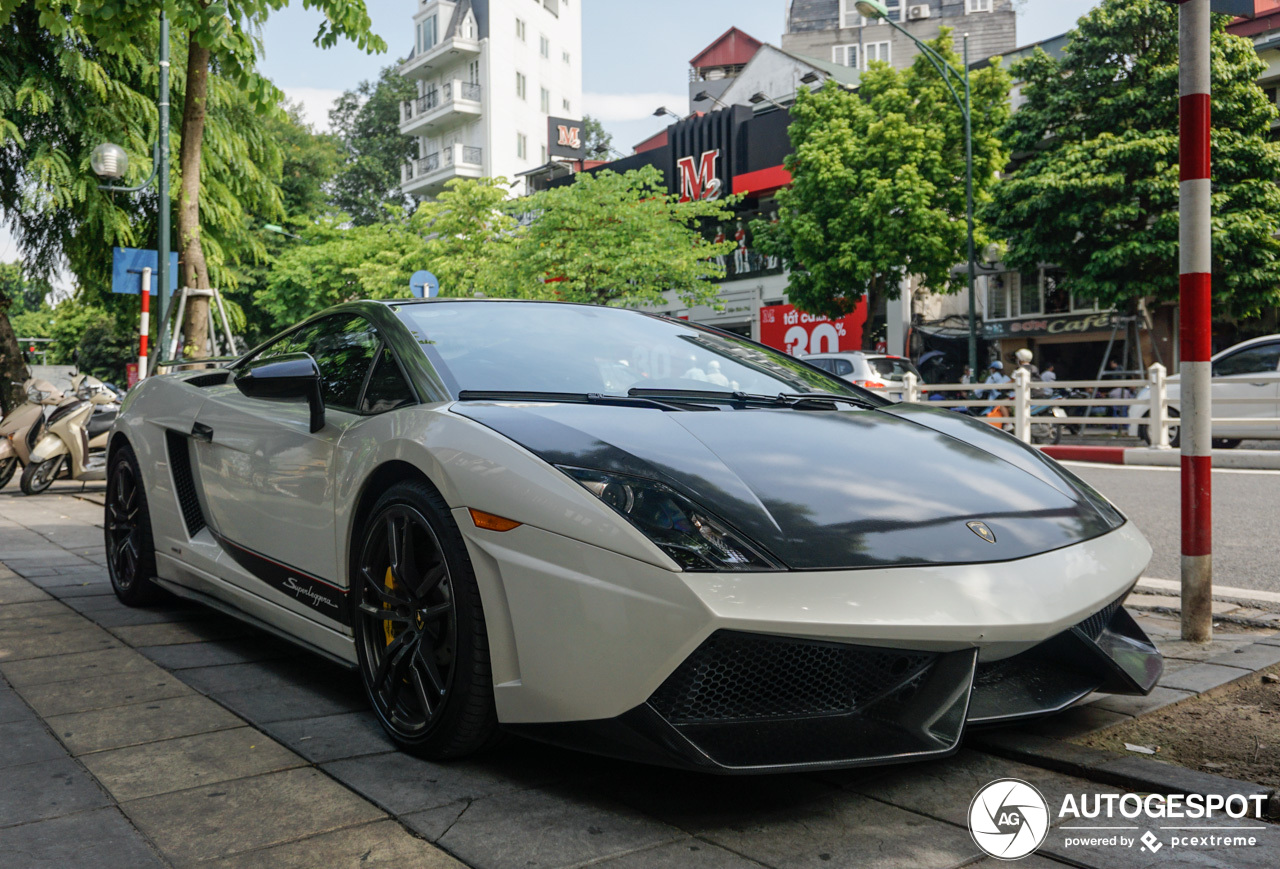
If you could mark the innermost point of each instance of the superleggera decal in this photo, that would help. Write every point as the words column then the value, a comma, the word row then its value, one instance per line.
column 324, row 597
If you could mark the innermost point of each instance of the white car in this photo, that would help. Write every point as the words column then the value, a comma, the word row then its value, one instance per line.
column 876, row 371
column 543, row 517
column 1249, row 388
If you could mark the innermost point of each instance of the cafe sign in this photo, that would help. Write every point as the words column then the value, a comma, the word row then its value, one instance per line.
column 1067, row 324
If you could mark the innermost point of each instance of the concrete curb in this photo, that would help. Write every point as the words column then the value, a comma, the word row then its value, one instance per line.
column 1255, row 460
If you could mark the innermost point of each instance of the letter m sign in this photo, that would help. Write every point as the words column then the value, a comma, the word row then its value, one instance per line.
column 698, row 178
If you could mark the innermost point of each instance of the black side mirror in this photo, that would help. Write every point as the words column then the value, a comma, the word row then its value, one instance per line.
column 295, row 375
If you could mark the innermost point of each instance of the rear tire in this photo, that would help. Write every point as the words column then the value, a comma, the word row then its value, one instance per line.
column 7, row 469
column 1175, row 432
column 419, row 627
column 1226, row 443
column 38, row 477
column 131, row 553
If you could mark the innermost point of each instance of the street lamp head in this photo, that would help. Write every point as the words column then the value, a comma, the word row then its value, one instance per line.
column 871, row 9
column 109, row 160
column 810, row 77
column 701, row 97
column 663, row 110
column 757, row 97
column 992, row 253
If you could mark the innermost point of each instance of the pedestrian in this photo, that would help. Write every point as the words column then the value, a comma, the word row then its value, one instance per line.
column 995, row 376
column 1049, row 375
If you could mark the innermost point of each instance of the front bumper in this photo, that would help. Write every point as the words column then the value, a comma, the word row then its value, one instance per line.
column 798, row 670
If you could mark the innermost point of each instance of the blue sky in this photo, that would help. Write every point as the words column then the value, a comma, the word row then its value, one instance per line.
column 635, row 58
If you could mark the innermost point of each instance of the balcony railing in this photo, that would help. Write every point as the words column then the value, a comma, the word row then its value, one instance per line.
column 447, row 93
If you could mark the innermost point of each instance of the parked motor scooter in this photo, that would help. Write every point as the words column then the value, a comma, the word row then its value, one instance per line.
column 75, row 436
column 21, row 429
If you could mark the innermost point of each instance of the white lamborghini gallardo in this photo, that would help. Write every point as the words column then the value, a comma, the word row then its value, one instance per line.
column 624, row 533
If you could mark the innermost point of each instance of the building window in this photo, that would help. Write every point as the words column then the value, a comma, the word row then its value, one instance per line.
column 522, row 145
column 473, row 72
column 552, row 6
column 544, row 104
column 566, row 56
column 876, row 51
column 522, row 86
column 520, row 30
column 543, row 151
column 427, row 34
column 849, row 16
column 565, row 104
column 845, row 55
column 544, row 46
column 971, row 6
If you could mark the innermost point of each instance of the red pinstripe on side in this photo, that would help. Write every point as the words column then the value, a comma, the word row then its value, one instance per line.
column 1193, row 137
column 1197, row 511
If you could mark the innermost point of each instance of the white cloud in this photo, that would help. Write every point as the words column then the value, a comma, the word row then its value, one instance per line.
column 632, row 107
column 316, row 103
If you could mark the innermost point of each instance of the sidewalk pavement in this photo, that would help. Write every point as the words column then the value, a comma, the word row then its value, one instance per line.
column 175, row 736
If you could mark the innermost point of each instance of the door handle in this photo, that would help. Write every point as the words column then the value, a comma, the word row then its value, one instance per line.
column 202, row 432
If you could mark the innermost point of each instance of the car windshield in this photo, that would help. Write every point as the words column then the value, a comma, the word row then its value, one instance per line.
column 892, row 367
column 559, row 347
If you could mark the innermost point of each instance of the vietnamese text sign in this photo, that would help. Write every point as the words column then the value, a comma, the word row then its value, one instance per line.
column 785, row 328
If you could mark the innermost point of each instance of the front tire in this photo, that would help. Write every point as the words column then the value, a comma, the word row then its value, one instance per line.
column 7, row 469
column 36, row 477
column 419, row 627
column 131, row 553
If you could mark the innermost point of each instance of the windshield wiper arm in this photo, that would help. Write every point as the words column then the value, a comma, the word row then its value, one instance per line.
column 572, row 398
column 800, row 400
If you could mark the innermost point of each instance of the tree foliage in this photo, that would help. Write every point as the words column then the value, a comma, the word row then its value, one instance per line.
column 366, row 123
column 1096, row 188
column 879, row 182
column 598, row 140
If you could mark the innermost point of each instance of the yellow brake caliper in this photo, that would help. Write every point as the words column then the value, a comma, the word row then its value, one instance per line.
column 388, row 628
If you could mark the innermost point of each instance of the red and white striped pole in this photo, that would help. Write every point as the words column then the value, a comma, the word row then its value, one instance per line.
column 145, row 327
column 1195, row 311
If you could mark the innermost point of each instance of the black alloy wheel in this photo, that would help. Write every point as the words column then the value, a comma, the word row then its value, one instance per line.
column 7, row 468
column 131, row 554
column 39, row 476
column 419, row 627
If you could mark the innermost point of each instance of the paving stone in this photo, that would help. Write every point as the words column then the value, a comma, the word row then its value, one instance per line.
column 1199, row 678
column 380, row 845
column 332, row 737
column 1144, row 773
column 83, row 639
column 1128, row 704
column 96, row 576
column 1076, row 721
column 17, row 590
column 47, row 789
column 85, row 732
column 212, row 654
column 97, row 839
column 1254, row 657
column 401, row 783
column 1042, row 751
column 171, row 633
column 88, row 605
column 102, row 692
column 224, row 819
column 291, row 702
column 126, row 616
column 57, row 623
column 549, row 828
column 26, row 741
column 86, row 589
column 12, row 706
column 1221, row 645
column 190, row 761
column 26, row 610
column 267, row 675
column 684, row 854
column 82, row 665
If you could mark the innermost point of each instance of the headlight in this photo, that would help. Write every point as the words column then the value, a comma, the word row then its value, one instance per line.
column 679, row 527
column 36, row 396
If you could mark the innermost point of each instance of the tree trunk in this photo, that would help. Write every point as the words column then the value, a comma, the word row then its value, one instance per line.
column 13, row 367
column 195, row 272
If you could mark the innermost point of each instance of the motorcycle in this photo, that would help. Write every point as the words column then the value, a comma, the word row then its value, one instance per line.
column 21, row 429
column 1046, row 432
column 75, row 436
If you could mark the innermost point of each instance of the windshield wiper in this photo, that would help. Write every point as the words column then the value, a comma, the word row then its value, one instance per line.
column 799, row 401
column 574, row 398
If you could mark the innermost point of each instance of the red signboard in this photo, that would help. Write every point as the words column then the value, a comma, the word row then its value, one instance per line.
column 785, row 328
column 131, row 372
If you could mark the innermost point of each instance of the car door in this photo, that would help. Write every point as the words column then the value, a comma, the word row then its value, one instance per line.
column 1247, row 386
column 268, row 479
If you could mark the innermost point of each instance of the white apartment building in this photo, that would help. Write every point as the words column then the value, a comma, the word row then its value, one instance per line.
column 489, row 74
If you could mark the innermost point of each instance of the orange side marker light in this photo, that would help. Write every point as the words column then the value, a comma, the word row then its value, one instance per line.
column 491, row 522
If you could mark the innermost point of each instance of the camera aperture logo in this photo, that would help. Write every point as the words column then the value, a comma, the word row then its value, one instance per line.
column 1008, row 819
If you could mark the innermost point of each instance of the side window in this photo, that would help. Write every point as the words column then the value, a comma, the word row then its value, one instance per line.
column 1262, row 359
column 343, row 348
column 825, row 364
column 296, row 341
column 843, row 367
column 387, row 388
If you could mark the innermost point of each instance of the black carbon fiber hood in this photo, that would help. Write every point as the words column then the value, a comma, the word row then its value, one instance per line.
column 830, row 489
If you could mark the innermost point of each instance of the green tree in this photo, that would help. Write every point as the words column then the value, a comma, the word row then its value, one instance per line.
column 598, row 140
column 1096, row 191
column 21, row 298
column 366, row 122
column 879, row 183
column 619, row 240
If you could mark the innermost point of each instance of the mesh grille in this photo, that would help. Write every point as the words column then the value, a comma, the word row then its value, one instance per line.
column 184, row 483
column 1094, row 625
column 734, row 676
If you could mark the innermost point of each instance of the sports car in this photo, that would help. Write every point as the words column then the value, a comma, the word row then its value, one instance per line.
column 629, row 534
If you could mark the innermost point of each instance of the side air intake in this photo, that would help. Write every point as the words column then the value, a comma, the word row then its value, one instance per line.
column 184, row 483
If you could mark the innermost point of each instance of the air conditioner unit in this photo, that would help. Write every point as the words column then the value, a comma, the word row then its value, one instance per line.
column 918, row 12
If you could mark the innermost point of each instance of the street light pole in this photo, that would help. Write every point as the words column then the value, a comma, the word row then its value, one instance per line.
column 162, row 228
column 877, row 9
